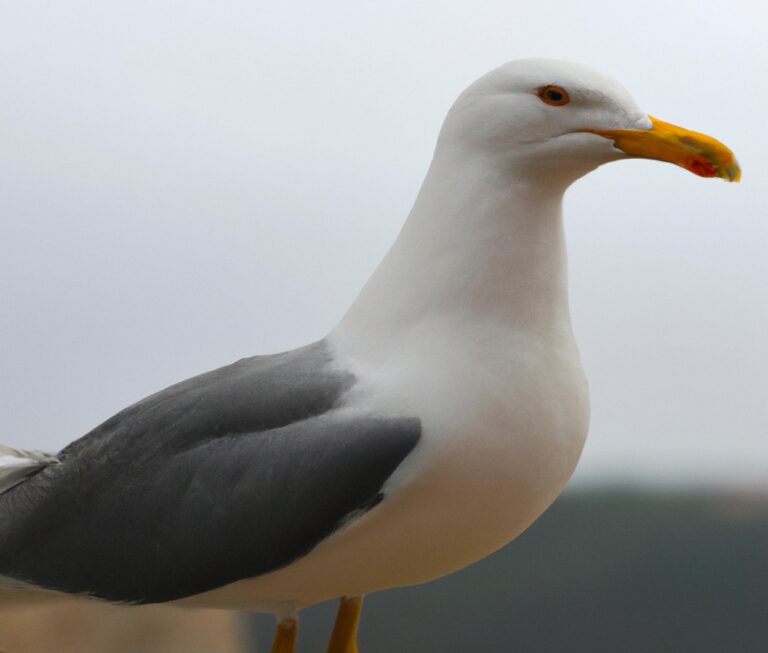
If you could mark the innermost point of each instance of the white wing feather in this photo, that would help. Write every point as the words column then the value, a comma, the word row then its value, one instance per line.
column 16, row 465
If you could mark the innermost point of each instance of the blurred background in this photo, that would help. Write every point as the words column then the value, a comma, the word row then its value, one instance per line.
column 186, row 183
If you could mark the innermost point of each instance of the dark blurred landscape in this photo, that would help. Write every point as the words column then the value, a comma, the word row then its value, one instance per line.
column 603, row 570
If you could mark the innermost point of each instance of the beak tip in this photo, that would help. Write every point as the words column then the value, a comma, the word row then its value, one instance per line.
column 732, row 173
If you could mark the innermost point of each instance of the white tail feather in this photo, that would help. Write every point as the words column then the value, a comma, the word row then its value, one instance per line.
column 16, row 465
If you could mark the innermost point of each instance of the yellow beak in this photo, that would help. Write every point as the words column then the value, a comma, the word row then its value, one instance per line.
column 698, row 153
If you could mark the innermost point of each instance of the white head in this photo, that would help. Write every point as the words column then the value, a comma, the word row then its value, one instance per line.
column 561, row 119
column 485, row 234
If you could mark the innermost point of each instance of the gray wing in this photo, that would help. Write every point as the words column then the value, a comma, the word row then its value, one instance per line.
column 222, row 477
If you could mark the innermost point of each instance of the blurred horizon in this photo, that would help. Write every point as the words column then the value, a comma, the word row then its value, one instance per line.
column 619, row 570
column 601, row 570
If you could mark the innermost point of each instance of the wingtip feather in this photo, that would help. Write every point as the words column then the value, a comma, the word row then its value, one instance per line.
column 17, row 464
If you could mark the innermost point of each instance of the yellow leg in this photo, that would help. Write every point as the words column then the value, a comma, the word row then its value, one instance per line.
column 285, row 636
column 344, row 636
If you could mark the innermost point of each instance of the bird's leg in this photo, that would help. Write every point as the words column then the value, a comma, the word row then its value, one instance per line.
column 344, row 636
column 285, row 635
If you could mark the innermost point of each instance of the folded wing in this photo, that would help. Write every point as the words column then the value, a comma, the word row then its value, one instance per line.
column 222, row 477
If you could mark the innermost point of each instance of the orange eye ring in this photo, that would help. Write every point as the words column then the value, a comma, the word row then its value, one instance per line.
column 555, row 96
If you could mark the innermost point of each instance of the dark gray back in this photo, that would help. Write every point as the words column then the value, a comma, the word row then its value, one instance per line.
column 224, row 476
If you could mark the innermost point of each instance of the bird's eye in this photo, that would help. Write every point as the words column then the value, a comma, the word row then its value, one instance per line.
column 555, row 96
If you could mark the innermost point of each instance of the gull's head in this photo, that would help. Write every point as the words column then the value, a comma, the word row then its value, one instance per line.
column 561, row 119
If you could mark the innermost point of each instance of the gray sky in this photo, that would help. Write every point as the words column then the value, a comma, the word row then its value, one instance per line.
column 186, row 183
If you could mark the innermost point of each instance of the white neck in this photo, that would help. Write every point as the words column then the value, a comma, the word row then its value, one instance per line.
column 482, row 243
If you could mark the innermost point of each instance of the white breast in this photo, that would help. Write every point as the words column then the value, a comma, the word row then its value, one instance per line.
column 504, row 418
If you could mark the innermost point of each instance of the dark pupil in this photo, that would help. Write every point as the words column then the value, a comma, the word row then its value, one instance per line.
column 555, row 95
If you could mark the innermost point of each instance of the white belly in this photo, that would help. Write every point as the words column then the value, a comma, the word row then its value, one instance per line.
column 490, row 461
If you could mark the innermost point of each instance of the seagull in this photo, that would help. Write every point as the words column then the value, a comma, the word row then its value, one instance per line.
column 441, row 416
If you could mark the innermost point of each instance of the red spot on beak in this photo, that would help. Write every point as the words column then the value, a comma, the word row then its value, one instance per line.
column 701, row 168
